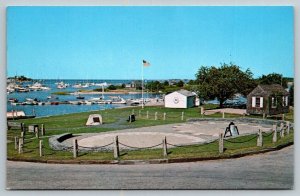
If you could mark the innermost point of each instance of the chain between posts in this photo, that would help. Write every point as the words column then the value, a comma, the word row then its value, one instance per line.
column 140, row 147
column 240, row 142
column 97, row 147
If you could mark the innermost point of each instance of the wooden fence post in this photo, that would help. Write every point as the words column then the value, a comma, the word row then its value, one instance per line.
column 182, row 115
column 147, row 114
column 43, row 130
column 288, row 127
column 164, row 116
column 22, row 136
column 132, row 111
column 155, row 117
column 264, row 115
column 223, row 114
column 22, row 127
column 130, row 118
column 281, row 130
column 165, row 149
column 274, row 134
column 140, row 113
column 16, row 142
column 36, row 130
column 202, row 110
column 221, row 143
column 20, row 146
column 260, row 138
column 116, row 148
column 282, row 116
column 75, row 148
column 41, row 148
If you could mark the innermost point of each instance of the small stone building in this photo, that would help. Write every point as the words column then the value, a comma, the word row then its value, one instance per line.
column 180, row 99
column 268, row 99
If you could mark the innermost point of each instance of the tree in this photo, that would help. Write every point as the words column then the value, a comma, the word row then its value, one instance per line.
column 166, row 83
column 180, row 83
column 273, row 78
column 223, row 82
column 112, row 87
column 291, row 97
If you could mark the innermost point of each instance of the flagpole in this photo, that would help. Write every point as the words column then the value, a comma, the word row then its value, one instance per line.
column 142, row 84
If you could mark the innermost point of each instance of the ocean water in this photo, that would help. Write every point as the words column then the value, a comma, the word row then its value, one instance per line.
column 50, row 110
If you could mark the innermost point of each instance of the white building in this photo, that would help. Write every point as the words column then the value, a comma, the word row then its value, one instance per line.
column 180, row 99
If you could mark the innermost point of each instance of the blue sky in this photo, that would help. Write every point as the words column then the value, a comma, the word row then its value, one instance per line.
column 111, row 42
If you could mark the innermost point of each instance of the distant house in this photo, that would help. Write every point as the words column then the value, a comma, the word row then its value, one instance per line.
column 268, row 99
column 180, row 99
column 130, row 85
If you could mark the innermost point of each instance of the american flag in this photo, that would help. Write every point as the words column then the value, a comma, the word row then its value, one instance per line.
column 145, row 63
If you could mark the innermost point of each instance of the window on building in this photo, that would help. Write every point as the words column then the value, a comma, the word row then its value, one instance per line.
column 273, row 102
column 257, row 102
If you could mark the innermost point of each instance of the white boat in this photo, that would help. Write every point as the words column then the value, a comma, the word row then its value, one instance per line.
column 101, row 84
column 61, row 85
column 45, row 88
column 87, row 102
column 103, row 102
column 85, row 85
column 117, row 100
column 75, row 102
column 77, row 86
column 95, row 99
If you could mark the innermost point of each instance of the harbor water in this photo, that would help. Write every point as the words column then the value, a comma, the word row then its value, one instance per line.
column 50, row 110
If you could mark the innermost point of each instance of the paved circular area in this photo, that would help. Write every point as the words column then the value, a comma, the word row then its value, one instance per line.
column 136, row 139
column 177, row 134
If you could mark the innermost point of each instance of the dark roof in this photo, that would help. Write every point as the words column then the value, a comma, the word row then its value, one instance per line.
column 185, row 93
column 273, row 88
column 269, row 89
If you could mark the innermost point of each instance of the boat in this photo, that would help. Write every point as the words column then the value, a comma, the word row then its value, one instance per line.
column 54, row 103
column 22, row 90
column 75, row 102
column 14, row 115
column 61, row 85
column 13, row 100
column 85, row 85
column 79, row 97
column 117, row 100
column 87, row 102
column 104, row 102
column 77, row 86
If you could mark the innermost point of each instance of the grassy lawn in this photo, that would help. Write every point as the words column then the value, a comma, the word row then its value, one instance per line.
column 115, row 119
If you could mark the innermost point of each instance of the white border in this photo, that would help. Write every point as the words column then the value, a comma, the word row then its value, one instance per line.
column 4, row 3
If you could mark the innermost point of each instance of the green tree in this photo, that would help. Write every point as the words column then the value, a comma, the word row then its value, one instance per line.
column 273, row 78
column 291, row 97
column 223, row 82
column 180, row 83
column 155, row 86
column 166, row 83
column 112, row 87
